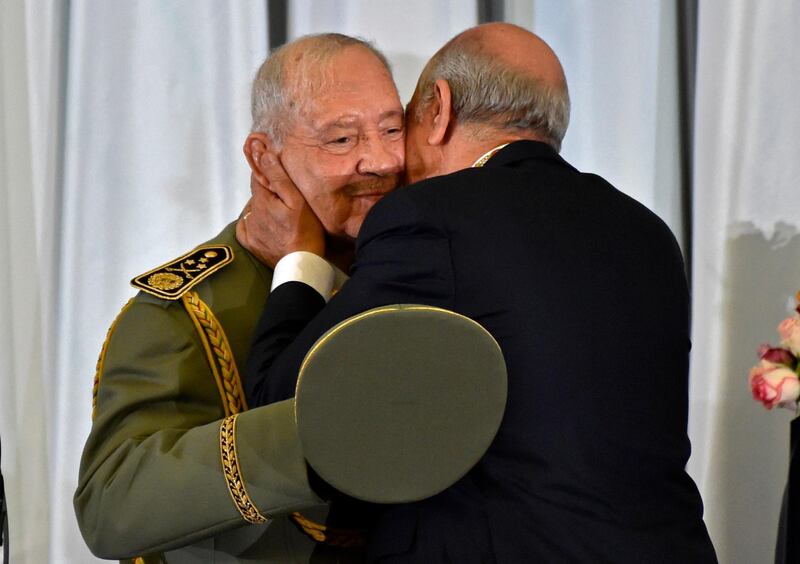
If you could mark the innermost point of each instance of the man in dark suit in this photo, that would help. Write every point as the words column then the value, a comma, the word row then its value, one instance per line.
column 583, row 288
column 787, row 549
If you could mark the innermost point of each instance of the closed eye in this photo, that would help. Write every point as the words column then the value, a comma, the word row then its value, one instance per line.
column 340, row 141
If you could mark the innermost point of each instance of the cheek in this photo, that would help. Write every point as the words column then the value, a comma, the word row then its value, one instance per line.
column 301, row 171
column 399, row 150
column 412, row 146
column 316, row 183
column 353, row 224
column 333, row 209
column 319, row 177
column 414, row 165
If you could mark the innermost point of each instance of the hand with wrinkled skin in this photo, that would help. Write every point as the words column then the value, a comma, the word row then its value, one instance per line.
column 277, row 220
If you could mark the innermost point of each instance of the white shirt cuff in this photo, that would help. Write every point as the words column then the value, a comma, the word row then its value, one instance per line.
column 310, row 269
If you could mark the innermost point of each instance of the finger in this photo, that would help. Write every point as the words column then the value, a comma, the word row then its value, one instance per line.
column 279, row 182
column 267, row 207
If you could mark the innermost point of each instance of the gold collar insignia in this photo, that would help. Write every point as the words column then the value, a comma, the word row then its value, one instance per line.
column 488, row 155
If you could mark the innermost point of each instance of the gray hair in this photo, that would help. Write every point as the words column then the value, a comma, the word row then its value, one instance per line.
column 291, row 73
column 486, row 92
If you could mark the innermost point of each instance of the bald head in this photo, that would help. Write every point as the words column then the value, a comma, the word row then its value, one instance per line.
column 516, row 48
column 501, row 76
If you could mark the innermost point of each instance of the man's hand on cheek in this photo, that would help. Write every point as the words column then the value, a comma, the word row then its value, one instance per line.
column 277, row 220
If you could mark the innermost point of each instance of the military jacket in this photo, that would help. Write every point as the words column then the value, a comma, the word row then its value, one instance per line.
column 176, row 469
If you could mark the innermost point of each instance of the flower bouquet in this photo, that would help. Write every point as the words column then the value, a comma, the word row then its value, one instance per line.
column 774, row 380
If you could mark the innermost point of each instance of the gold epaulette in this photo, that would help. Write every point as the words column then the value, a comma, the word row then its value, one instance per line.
column 172, row 280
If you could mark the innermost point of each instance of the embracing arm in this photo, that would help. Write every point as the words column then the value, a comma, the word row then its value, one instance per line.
column 292, row 305
column 403, row 257
column 153, row 476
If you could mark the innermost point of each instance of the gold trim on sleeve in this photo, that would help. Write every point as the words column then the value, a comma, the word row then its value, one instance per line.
column 233, row 473
column 101, row 359
column 219, row 354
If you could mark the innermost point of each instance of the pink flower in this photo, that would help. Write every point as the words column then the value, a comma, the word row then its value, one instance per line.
column 777, row 356
column 789, row 330
column 774, row 384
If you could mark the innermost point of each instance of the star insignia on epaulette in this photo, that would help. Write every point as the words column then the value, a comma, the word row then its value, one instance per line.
column 170, row 281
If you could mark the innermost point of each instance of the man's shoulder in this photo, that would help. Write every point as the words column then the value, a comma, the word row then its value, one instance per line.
column 171, row 280
column 206, row 301
column 427, row 202
column 219, row 265
column 430, row 189
column 454, row 179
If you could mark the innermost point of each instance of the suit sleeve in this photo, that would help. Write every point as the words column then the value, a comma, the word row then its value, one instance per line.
column 403, row 256
column 151, row 476
column 292, row 306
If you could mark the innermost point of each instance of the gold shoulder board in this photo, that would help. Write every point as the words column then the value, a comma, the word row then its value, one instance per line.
column 170, row 281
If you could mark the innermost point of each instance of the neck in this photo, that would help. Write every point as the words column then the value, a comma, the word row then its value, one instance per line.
column 340, row 252
column 467, row 146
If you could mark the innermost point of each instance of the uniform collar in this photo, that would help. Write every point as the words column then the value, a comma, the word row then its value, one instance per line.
column 228, row 236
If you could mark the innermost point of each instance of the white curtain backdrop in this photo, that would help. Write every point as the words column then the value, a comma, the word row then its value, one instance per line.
column 746, row 260
column 121, row 125
column 24, row 397
column 407, row 32
column 156, row 114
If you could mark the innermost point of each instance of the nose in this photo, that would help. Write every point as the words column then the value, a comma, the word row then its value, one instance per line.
column 380, row 157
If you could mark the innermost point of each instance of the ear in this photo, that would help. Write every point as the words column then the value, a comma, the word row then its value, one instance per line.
column 442, row 108
column 255, row 146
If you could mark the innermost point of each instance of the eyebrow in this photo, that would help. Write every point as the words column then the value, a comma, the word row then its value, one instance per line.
column 391, row 113
column 349, row 121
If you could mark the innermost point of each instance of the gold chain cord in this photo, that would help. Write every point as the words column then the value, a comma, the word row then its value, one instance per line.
column 233, row 473
column 228, row 377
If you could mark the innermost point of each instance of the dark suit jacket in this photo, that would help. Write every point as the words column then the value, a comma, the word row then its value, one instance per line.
column 787, row 549
column 585, row 291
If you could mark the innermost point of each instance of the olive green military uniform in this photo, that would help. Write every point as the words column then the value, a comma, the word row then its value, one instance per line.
column 175, row 468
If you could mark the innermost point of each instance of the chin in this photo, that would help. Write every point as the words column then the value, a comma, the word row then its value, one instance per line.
column 351, row 234
column 361, row 207
column 353, row 226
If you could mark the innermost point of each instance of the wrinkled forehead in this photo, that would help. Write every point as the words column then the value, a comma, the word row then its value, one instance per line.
column 350, row 89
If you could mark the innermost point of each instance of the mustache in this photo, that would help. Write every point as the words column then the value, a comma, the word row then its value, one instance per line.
column 380, row 185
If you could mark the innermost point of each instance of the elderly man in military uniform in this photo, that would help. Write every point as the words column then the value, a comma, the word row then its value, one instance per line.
column 176, row 468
